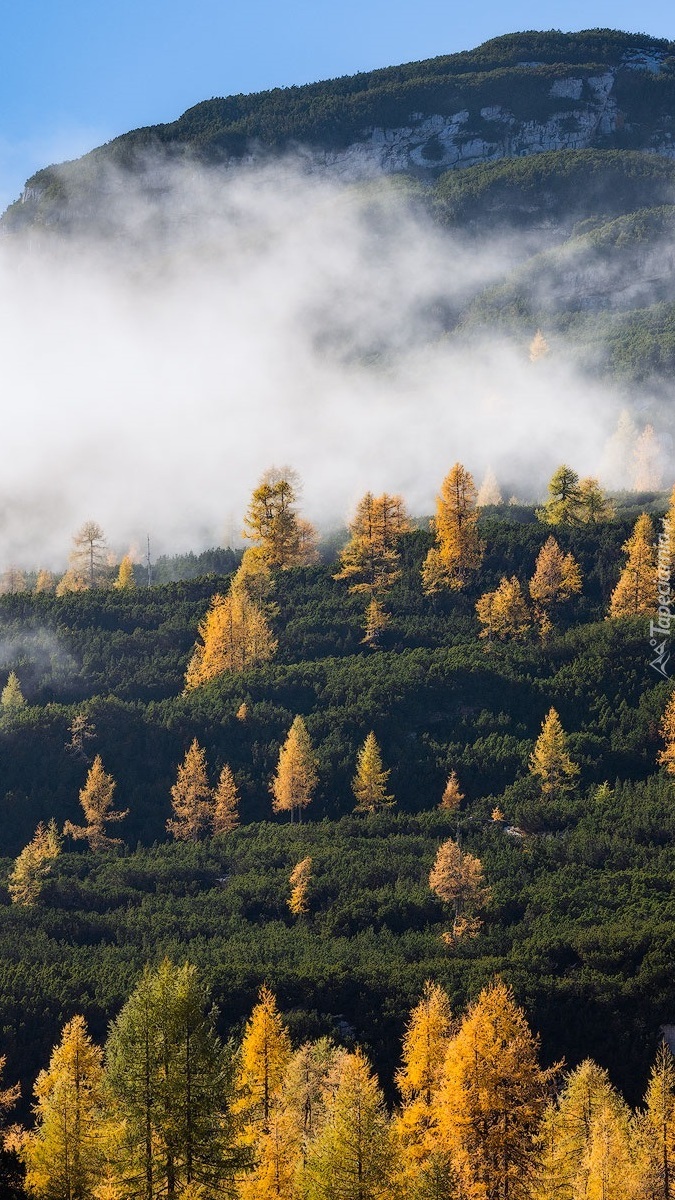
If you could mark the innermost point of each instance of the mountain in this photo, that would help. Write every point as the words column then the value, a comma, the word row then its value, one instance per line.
column 522, row 94
column 565, row 139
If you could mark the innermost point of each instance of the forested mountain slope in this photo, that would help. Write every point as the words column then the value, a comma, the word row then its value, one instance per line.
column 578, row 920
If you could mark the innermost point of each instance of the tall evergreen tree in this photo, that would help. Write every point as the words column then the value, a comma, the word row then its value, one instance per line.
column 170, row 1083
column 563, row 506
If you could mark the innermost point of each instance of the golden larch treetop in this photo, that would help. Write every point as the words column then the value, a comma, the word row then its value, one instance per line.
column 96, row 799
column 226, row 802
column 370, row 561
column 666, row 757
column 550, row 761
column 191, row 798
column 296, row 776
column 299, row 880
column 459, row 550
column 370, row 782
column 636, row 592
column 264, row 1056
column 33, row 865
column 452, row 794
column 504, row 614
column 457, row 879
column 492, row 1098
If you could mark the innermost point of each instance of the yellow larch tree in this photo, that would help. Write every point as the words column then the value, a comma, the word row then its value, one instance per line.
column 191, row 797
column 96, row 798
column 458, row 551
column 452, row 794
column 225, row 816
column 369, row 785
column 351, row 1157
column 376, row 621
column 88, row 557
column 422, row 1163
column 636, row 592
column 617, row 456
column 504, row 614
column 609, row 1168
column 670, row 528
column 371, row 561
column 308, row 1083
column 539, row 347
column 647, row 462
column 564, row 1137
column 12, row 581
column 550, row 760
column 263, row 1058
column 457, row 879
column 272, row 522
column 655, row 1131
column 125, row 575
column 34, row 864
column 63, row 1155
column 44, row 581
column 556, row 578
column 594, row 507
column 666, row 757
column 296, row 776
column 277, row 1153
column 299, row 880
column 11, row 697
column 235, row 633
column 488, row 492
column 281, row 1151
column 492, row 1098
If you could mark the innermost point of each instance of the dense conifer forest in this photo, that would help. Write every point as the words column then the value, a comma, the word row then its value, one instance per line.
column 433, row 754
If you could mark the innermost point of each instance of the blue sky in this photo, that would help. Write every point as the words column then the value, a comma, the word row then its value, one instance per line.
column 74, row 73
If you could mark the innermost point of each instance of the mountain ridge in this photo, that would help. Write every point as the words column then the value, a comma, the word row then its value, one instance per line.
column 515, row 95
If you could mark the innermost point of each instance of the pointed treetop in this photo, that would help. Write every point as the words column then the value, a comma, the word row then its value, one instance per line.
column 550, row 761
column 370, row 782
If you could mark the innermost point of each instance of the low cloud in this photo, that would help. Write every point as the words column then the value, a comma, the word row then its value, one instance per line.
column 222, row 322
